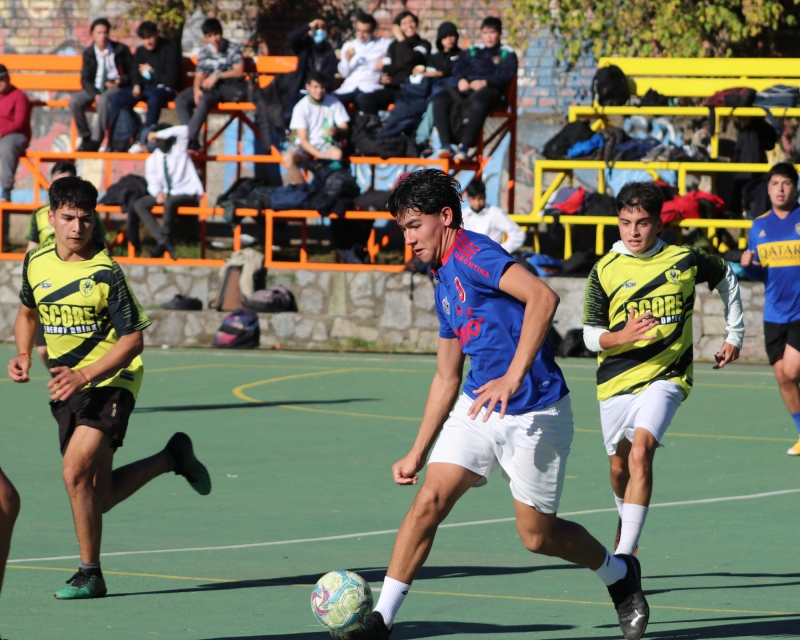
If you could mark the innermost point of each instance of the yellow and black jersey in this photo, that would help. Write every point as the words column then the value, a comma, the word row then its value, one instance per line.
column 662, row 284
column 84, row 307
column 40, row 231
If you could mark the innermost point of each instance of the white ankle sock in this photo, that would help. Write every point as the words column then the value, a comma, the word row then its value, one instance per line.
column 612, row 570
column 633, row 517
column 392, row 595
column 620, row 502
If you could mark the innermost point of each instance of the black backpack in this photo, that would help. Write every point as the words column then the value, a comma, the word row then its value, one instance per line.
column 556, row 147
column 124, row 130
column 610, row 87
column 239, row 330
column 365, row 143
column 272, row 299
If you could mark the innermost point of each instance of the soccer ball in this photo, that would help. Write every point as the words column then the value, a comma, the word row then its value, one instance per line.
column 341, row 600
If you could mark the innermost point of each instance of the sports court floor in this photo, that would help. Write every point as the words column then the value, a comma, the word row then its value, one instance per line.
column 300, row 446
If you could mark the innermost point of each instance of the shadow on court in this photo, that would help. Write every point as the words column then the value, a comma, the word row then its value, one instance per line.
column 418, row 630
column 247, row 405
column 755, row 627
column 775, row 576
column 369, row 574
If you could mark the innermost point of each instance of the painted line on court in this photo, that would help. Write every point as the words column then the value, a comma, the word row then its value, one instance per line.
column 346, row 536
column 266, row 583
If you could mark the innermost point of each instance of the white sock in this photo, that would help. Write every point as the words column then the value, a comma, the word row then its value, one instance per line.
column 620, row 502
column 392, row 595
column 612, row 570
column 633, row 517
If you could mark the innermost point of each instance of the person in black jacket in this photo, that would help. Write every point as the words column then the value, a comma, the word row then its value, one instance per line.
column 314, row 53
column 483, row 73
column 441, row 63
column 157, row 76
column 407, row 51
column 107, row 67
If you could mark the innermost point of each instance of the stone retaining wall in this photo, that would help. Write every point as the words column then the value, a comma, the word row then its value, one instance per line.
column 368, row 310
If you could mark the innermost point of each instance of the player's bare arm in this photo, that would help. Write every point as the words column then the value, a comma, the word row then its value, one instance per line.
column 635, row 329
column 441, row 397
column 540, row 307
column 24, row 334
column 67, row 381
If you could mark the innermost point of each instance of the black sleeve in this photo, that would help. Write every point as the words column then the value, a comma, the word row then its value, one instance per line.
column 710, row 269
column 170, row 73
column 89, row 71
column 26, row 292
column 124, row 60
column 596, row 302
column 506, row 72
column 329, row 68
column 138, row 58
column 126, row 314
column 299, row 40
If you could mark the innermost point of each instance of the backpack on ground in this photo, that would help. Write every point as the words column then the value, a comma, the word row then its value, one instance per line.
column 610, row 87
column 779, row 95
column 573, row 346
column 271, row 299
column 124, row 130
column 239, row 330
column 365, row 142
column 556, row 147
column 734, row 97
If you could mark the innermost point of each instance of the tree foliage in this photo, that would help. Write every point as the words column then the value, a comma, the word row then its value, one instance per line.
column 639, row 28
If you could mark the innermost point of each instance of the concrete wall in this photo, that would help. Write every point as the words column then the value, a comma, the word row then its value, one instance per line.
column 369, row 310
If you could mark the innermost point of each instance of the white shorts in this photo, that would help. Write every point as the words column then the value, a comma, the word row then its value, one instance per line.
column 651, row 409
column 531, row 448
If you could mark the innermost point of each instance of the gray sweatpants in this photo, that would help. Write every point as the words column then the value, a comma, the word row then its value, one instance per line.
column 12, row 146
column 78, row 105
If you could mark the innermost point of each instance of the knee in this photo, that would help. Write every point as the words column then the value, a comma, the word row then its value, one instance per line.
column 791, row 373
column 10, row 502
column 640, row 458
column 76, row 475
column 535, row 542
column 431, row 504
column 619, row 469
column 290, row 159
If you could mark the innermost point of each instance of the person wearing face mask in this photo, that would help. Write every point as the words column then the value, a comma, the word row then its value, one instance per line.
column 314, row 53
column 218, row 77
column 408, row 52
column 360, row 59
column 491, row 221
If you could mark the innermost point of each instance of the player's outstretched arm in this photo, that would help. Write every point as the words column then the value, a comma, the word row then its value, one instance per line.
column 67, row 381
column 728, row 289
column 24, row 335
column 441, row 397
column 540, row 307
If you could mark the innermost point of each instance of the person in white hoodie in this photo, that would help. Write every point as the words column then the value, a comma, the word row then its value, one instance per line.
column 491, row 221
column 638, row 317
column 362, row 60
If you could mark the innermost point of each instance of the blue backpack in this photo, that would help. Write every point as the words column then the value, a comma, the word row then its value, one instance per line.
column 124, row 130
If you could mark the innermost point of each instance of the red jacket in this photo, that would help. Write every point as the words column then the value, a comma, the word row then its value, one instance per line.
column 15, row 113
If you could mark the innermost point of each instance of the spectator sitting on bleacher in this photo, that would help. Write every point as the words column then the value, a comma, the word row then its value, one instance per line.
column 107, row 67
column 362, row 61
column 317, row 122
column 441, row 63
column 219, row 76
column 483, row 72
column 407, row 52
column 314, row 53
column 172, row 181
column 491, row 221
column 156, row 79
column 15, row 131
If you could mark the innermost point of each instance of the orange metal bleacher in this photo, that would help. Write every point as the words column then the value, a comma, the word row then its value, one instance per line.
column 53, row 74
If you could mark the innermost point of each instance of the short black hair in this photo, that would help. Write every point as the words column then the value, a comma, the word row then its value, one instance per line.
column 427, row 191
column 366, row 18
column 641, row 195
column 476, row 188
column 76, row 192
column 100, row 22
column 318, row 77
column 490, row 22
column 404, row 14
column 211, row 25
column 64, row 166
column 785, row 169
column 147, row 29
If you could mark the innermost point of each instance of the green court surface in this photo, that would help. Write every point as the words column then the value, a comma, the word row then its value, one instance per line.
column 300, row 448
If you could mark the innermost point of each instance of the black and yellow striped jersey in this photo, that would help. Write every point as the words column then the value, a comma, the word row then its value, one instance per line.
column 84, row 308
column 40, row 231
column 662, row 284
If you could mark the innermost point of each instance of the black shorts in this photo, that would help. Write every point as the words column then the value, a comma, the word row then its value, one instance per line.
column 106, row 409
column 40, row 341
column 777, row 336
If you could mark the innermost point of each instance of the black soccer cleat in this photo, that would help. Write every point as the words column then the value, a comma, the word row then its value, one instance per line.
column 187, row 464
column 629, row 601
column 374, row 628
column 616, row 537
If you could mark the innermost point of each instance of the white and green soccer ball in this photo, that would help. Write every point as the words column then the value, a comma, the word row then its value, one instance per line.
column 341, row 600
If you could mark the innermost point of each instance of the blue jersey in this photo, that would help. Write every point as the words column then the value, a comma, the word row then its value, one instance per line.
column 777, row 246
column 488, row 322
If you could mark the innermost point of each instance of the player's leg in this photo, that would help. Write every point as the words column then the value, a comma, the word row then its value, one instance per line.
column 9, row 510
column 787, row 373
column 639, row 490
column 620, row 475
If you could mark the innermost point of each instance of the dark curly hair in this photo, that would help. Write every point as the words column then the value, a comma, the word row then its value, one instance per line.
column 641, row 195
column 73, row 191
column 427, row 191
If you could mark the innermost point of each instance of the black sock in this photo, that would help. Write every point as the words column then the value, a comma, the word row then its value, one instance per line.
column 90, row 568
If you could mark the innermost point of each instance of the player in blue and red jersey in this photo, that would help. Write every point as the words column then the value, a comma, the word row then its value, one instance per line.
column 773, row 254
column 514, row 411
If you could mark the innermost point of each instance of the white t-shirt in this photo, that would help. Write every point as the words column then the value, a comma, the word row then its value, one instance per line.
column 318, row 118
column 361, row 71
column 494, row 222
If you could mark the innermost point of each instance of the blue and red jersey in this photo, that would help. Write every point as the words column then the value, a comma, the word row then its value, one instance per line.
column 488, row 322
